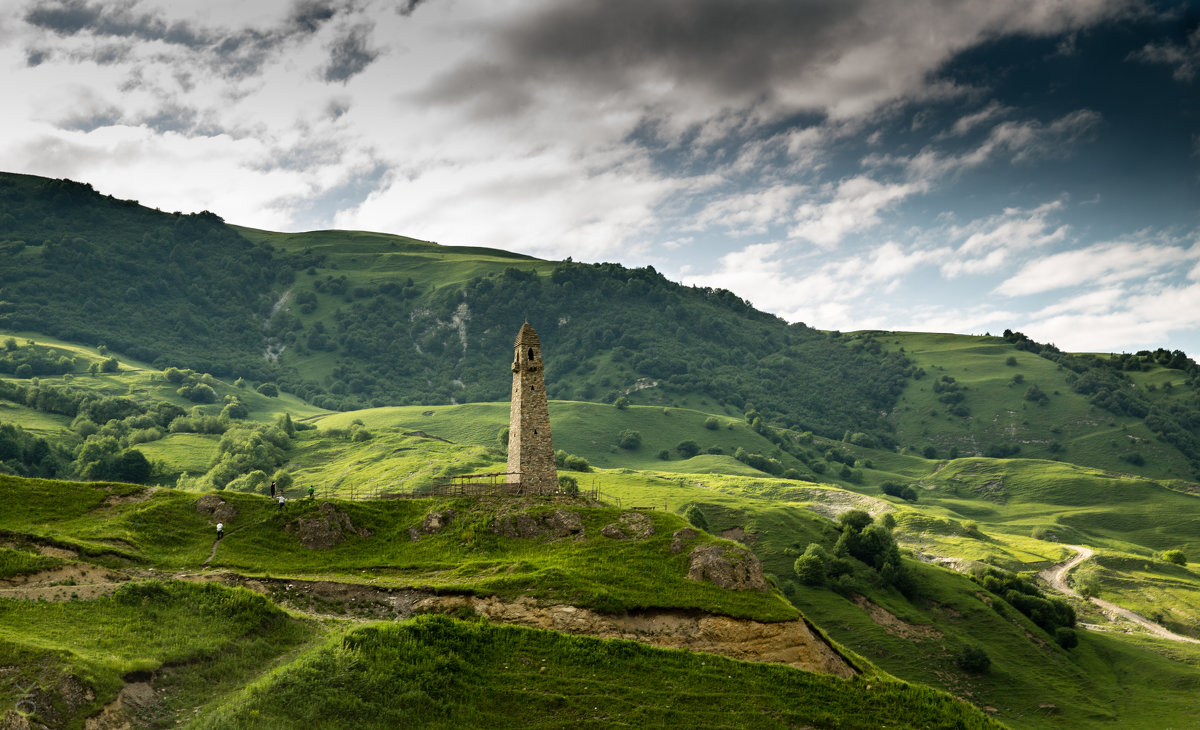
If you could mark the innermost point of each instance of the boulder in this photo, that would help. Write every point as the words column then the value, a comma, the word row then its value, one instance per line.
column 217, row 509
column 679, row 536
column 328, row 528
column 556, row 524
column 727, row 567
column 435, row 521
column 635, row 525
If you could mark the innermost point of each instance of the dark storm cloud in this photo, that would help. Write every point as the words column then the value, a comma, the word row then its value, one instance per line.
column 86, row 122
column 407, row 7
column 234, row 51
column 761, row 59
column 350, row 54
column 737, row 49
column 121, row 19
column 171, row 118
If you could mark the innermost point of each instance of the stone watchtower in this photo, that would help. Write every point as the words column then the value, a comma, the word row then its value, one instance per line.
column 530, row 448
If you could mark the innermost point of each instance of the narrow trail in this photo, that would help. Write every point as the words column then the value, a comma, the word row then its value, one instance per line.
column 213, row 554
column 1057, row 578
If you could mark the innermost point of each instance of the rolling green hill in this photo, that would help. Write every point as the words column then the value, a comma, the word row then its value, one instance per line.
column 903, row 492
column 210, row 655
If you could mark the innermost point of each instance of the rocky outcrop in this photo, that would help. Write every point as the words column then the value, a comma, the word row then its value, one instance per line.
column 55, row 705
column 727, row 567
column 557, row 524
column 328, row 528
column 785, row 642
column 630, row 525
column 432, row 524
column 217, row 509
column 121, row 713
column 678, row 537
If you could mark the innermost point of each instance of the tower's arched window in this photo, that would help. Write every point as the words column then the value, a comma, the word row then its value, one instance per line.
column 531, row 353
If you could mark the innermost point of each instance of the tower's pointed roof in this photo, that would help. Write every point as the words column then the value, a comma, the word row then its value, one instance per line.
column 527, row 337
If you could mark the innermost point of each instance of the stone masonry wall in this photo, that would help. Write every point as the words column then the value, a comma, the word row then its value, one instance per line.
column 530, row 445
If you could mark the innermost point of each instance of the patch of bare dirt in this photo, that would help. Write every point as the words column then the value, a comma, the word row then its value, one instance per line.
column 122, row 713
column 893, row 625
column 786, row 642
column 140, row 496
column 78, row 581
column 831, row 503
column 739, row 534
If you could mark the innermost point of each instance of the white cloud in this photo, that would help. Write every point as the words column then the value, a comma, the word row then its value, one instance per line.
column 836, row 294
column 855, row 205
column 1020, row 141
column 1099, row 264
column 1136, row 321
column 749, row 213
column 968, row 122
column 1184, row 58
column 991, row 242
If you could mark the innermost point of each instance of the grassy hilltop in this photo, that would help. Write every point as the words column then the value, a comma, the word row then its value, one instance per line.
column 905, row 494
column 244, row 662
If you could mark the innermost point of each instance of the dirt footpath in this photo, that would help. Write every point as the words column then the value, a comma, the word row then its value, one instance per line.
column 1057, row 578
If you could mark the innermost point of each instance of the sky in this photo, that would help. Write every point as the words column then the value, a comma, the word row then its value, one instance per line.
column 958, row 166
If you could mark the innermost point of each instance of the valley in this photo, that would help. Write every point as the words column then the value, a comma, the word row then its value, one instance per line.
column 760, row 524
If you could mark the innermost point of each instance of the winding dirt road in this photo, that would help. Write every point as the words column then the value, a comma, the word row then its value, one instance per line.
column 1057, row 578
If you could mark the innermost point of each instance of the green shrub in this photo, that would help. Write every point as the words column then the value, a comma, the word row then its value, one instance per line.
column 1066, row 638
column 973, row 658
column 568, row 484
column 712, row 423
column 687, row 449
column 268, row 389
column 812, row 567
column 629, row 439
column 692, row 514
column 1086, row 580
column 1175, row 556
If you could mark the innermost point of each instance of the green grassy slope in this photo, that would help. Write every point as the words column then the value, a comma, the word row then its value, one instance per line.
column 439, row 673
column 65, row 661
column 165, row 531
column 226, row 657
column 1032, row 682
column 1066, row 426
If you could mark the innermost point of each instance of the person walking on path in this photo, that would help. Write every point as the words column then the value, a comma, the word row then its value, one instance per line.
column 220, row 530
column 272, row 489
column 311, row 492
column 281, row 500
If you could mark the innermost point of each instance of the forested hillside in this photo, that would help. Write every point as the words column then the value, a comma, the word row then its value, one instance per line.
column 381, row 320
column 159, row 287
column 348, row 320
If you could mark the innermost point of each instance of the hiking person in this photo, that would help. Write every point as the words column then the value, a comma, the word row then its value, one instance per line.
column 220, row 530
column 311, row 491
column 281, row 500
column 272, row 489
